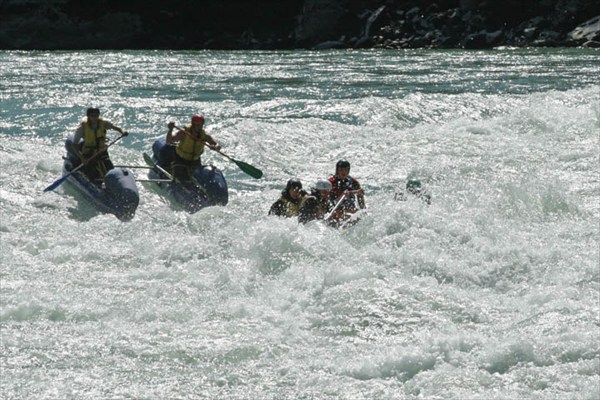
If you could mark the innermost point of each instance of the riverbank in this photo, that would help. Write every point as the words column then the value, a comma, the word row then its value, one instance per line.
column 296, row 24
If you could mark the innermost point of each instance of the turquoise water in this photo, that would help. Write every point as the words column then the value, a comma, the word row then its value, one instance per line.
column 492, row 292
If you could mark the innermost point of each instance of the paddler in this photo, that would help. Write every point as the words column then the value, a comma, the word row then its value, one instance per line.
column 346, row 192
column 413, row 187
column 93, row 131
column 316, row 205
column 190, row 145
column 288, row 204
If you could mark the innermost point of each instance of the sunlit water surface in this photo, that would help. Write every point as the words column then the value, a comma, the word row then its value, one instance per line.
column 491, row 292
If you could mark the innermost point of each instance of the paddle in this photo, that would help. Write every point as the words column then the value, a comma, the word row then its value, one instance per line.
column 151, row 163
column 143, row 167
column 63, row 178
column 247, row 168
column 134, row 166
column 342, row 197
column 153, row 180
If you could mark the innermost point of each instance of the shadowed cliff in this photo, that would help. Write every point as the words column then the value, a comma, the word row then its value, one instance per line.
column 293, row 24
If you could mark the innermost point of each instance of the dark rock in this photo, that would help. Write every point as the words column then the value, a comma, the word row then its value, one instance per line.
column 318, row 20
column 476, row 41
column 589, row 30
column 283, row 24
column 331, row 44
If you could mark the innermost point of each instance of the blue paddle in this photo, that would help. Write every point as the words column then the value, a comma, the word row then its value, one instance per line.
column 63, row 178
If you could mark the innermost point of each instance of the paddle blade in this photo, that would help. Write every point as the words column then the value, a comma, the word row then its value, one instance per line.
column 249, row 169
column 148, row 160
column 151, row 163
column 57, row 183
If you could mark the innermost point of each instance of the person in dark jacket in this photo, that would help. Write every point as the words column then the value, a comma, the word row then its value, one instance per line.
column 316, row 205
column 347, row 191
column 414, row 188
column 288, row 204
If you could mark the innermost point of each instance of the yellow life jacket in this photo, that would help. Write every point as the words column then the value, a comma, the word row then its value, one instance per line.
column 94, row 140
column 190, row 148
column 291, row 208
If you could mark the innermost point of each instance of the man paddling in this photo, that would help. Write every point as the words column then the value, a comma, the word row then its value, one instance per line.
column 190, row 145
column 345, row 193
column 93, row 131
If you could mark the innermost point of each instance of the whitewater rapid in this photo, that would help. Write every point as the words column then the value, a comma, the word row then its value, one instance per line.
column 491, row 292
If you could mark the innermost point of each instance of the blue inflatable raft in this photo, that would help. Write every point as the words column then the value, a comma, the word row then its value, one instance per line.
column 207, row 187
column 116, row 193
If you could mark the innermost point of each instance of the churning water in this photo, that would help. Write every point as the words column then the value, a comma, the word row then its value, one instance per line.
column 491, row 292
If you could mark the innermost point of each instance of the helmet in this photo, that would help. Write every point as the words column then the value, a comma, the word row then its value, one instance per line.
column 413, row 183
column 323, row 185
column 93, row 111
column 293, row 183
column 198, row 119
column 342, row 164
column 309, row 210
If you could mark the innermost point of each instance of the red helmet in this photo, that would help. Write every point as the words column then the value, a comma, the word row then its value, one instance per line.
column 198, row 119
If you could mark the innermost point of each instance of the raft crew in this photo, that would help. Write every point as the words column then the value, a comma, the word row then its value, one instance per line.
column 288, row 204
column 190, row 146
column 93, row 131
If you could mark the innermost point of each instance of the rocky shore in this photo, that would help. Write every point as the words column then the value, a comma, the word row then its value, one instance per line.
column 297, row 24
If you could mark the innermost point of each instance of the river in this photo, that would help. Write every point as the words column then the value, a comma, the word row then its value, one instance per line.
column 490, row 292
